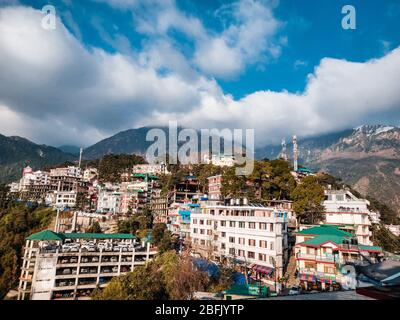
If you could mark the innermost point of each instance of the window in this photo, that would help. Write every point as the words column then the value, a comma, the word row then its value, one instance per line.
column 310, row 250
column 242, row 241
column 262, row 257
column 209, row 222
column 223, row 223
column 223, row 234
column 310, row 265
column 232, row 224
column 251, row 255
column 232, row 251
column 242, row 224
column 252, row 242
column 201, row 221
column 241, row 253
column 209, row 232
column 232, row 239
column 271, row 227
column 201, row 231
column 329, row 269
column 222, row 245
column 263, row 226
column 194, row 221
column 203, row 242
column 195, row 230
column 271, row 245
column 263, row 244
column 252, row 225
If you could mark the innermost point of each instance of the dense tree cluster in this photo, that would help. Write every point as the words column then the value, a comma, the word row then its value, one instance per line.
column 169, row 277
column 112, row 166
column 17, row 221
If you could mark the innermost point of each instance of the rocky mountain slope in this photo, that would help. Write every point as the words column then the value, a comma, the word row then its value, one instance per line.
column 367, row 158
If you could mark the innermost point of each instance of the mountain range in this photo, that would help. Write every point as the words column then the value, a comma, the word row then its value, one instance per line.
column 17, row 153
column 367, row 157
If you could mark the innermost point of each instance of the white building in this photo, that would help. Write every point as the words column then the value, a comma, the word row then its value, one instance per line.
column 253, row 235
column 90, row 174
column 70, row 266
column 30, row 178
column 64, row 199
column 70, row 171
column 109, row 201
column 344, row 209
column 220, row 161
column 155, row 169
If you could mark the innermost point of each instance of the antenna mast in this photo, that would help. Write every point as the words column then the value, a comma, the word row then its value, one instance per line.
column 295, row 154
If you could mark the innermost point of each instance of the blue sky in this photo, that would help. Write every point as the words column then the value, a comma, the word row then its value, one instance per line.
column 312, row 28
column 223, row 58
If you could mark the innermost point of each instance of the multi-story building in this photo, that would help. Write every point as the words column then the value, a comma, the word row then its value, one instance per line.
column 251, row 234
column 154, row 169
column 65, row 199
column 178, row 221
column 220, row 160
column 159, row 205
column 90, row 174
column 346, row 210
column 321, row 252
column 72, row 265
column 214, row 188
column 109, row 201
column 186, row 190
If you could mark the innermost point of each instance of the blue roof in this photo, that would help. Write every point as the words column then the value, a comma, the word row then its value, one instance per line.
column 184, row 212
column 205, row 265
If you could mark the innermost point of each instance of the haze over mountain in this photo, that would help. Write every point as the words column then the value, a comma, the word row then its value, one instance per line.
column 17, row 153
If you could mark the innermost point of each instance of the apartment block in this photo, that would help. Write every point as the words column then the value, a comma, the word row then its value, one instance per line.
column 253, row 235
column 322, row 252
column 351, row 213
column 72, row 265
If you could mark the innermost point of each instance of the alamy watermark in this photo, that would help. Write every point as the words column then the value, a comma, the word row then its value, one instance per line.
column 349, row 20
column 185, row 148
column 49, row 17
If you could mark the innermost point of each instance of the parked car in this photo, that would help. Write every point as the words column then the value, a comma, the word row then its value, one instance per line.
column 295, row 290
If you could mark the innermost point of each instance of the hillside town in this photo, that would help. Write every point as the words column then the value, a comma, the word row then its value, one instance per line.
column 272, row 251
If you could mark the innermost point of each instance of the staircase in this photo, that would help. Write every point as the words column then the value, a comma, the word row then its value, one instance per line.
column 290, row 272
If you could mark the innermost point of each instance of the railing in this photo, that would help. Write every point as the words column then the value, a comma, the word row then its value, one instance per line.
column 327, row 258
column 350, row 247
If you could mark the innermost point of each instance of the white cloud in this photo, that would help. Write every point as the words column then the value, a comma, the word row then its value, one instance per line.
column 247, row 39
column 56, row 91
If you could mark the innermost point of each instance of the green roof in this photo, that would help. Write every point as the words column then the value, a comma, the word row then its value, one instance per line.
column 324, row 229
column 144, row 175
column 369, row 248
column 51, row 235
column 45, row 235
column 319, row 240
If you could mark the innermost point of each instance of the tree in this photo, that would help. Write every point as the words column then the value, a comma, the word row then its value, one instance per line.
column 158, row 232
column 166, row 243
column 17, row 221
column 308, row 197
column 169, row 276
column 94, row 228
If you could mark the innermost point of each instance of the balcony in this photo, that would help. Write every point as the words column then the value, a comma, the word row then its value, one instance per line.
column 323, row 258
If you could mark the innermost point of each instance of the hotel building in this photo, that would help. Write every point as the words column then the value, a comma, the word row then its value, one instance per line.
column 72, row 265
